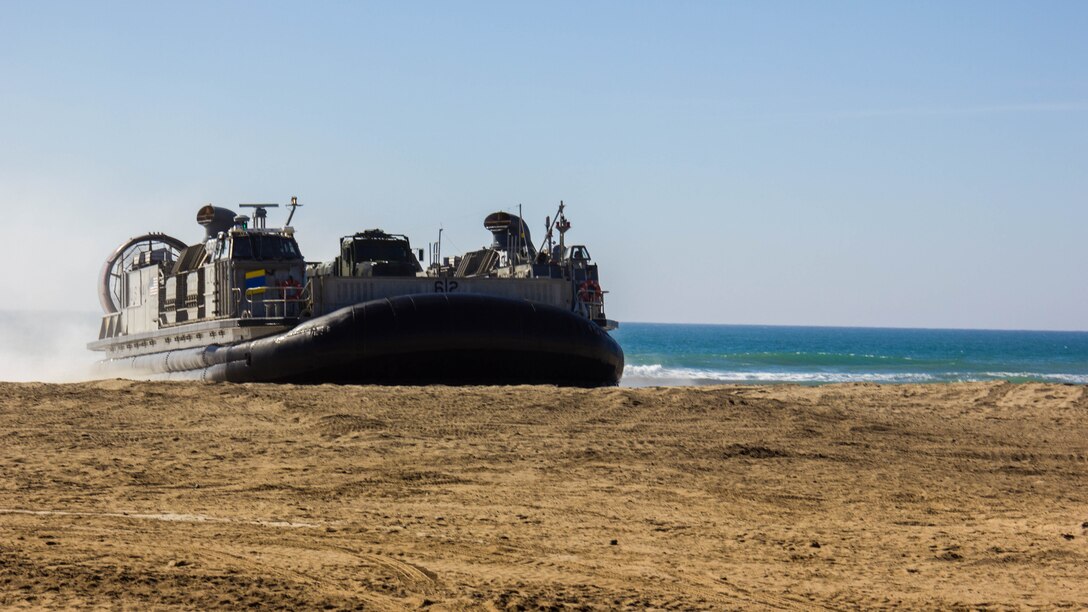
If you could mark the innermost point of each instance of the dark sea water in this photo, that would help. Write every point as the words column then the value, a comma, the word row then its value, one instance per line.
column 668, row 354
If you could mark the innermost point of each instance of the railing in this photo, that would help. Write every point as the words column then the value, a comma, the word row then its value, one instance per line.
column 592, row 299
column 272, row 302
column 595, row 307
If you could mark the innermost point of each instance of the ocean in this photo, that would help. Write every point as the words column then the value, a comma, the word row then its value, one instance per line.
column 674, row 354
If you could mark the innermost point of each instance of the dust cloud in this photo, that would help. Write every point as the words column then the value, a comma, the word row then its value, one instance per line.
column 47, row 346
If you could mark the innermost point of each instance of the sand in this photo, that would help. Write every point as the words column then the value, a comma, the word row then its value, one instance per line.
column 158, row 495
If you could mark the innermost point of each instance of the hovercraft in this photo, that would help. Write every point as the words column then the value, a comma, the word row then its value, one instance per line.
column 243, row 305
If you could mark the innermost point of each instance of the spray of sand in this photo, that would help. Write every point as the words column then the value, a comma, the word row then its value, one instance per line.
column 47, row 346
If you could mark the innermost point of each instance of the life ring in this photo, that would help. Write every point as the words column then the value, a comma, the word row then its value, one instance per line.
column 590, row 292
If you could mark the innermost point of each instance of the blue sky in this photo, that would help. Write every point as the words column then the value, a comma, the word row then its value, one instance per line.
column 839, row 163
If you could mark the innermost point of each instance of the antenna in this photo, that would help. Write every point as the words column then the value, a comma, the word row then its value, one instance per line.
column 260, row 213
column 559, row 222
column 294, row 204
column 562, row 225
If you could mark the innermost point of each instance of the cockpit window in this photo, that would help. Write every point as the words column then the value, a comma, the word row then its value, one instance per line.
column 260, row 247
column 579, row 253
column 242, row 248
column 381, row 250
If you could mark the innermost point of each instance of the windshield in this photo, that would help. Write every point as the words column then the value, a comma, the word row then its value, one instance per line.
column 381, row 250
column 260, row 247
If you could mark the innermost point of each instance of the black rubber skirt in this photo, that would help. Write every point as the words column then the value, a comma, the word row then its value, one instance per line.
column 429, row 339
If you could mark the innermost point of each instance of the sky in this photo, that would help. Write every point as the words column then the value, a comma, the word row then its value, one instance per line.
column 910, row 164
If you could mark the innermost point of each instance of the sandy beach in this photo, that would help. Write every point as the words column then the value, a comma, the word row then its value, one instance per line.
column 189, row 495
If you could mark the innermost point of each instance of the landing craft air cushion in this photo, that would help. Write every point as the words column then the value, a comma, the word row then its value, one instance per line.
column 243, row 305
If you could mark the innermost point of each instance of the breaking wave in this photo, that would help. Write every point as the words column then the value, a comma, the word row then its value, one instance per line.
column 1076, row 379
column 659, row 375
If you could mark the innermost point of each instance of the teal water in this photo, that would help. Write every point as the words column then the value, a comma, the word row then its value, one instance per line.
column 668, row 354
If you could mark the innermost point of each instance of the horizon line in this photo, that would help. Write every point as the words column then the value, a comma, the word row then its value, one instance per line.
column 917, row 328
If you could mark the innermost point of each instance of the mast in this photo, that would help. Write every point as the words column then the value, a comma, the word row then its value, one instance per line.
column 293, row 205
column 519, row 240
column 562, row 225
column 549, row 225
